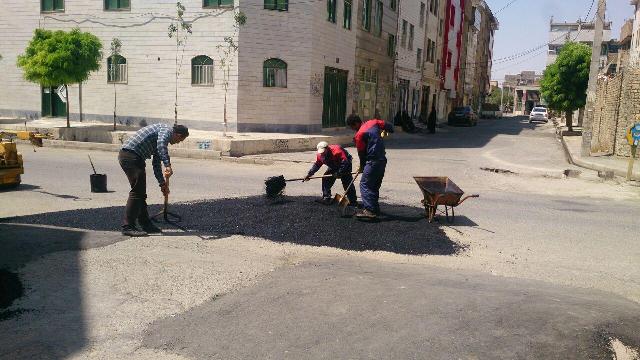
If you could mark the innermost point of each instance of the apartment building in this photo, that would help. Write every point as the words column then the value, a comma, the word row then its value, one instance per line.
column 432, row 94
column 292, row 72
column 481, row 27
column 375, row 53
column 634, row 51
column 583, row 32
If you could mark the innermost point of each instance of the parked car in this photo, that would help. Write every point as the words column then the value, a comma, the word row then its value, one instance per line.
column 538, row 114
column 463, row 116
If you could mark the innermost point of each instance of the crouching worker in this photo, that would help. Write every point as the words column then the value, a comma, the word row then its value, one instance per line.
column 339, row 165
column 150, row 141
column 373, row 161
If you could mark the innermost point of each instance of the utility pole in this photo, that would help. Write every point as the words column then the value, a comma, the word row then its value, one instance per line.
column 502, row 98
column 593, row 79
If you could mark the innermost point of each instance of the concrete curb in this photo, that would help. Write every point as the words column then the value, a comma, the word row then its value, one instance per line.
column 592, row 166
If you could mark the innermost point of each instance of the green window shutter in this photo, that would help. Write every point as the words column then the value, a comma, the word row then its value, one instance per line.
column 283, row 5
column 207, row 3
column 58, row 4
column 270, row 4
column 110, row 4
column 225, row 2
column 124, row 4
column 46, row 5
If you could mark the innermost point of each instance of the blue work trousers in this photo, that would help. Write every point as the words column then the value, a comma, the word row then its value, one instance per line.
column 347, row 178
column 372, row 176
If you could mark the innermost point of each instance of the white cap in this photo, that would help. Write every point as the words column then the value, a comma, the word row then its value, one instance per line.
column 322, row 146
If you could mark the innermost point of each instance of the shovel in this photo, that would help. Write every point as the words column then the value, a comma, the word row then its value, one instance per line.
column 341, row 199
column 168, row 217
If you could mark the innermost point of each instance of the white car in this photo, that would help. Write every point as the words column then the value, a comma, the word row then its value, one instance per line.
column 539, row 114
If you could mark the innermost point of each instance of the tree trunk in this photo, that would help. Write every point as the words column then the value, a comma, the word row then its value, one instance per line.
column 66, row 90
column 569, row 115
column 115, row 99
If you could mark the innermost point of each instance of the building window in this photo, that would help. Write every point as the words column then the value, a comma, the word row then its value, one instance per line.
column 393, row 5
column 346, row 22
column 433, row 52
column 331, row 11
column 438, row 67
column 391, row 46
column 366, row 15
column 52, row 5
column 222, row 3
column 280, row 5
column 116, row 5
column 202, row 71
column 435, row 7
column 116, row 69
column 440, row 28
column 274, row 72
column 378, row 24
column 449, row 56
column 403, row 39
column 422, row 11
column 411, row 30
column 452, row 15
column 419, row 58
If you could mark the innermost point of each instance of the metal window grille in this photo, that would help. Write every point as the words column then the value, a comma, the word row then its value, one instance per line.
column 117, row 73
column 202, row 75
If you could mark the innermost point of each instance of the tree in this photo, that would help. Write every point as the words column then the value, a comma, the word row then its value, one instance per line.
column 180, row 30
column 564, row 83
column 55, row 58
column 496, row 98
column 229, row 49
column 116, row 47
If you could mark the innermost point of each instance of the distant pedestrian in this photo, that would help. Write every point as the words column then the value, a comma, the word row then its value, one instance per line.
column 373, row 161
column 433, row 119
column 338, row 162
column 150, row 141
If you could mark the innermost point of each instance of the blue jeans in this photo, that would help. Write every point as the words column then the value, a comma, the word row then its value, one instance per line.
column 347, row 178
column 370, row 184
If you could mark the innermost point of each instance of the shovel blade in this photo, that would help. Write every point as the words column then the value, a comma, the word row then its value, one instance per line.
column 341, row 200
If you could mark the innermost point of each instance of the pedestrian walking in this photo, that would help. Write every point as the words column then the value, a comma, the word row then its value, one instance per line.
column 433, row 118
column 373, row 162
column 339, row 164
column 149, row 142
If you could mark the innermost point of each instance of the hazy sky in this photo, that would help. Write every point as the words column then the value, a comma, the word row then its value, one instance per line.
column 525, row 25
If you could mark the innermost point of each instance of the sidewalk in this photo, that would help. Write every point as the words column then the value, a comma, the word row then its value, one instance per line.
column 618, row 165
column 200, row 144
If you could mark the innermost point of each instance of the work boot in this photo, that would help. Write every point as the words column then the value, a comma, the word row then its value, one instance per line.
column 149, row 228
column 325, row 201
column 366, row 214
column 129, row 230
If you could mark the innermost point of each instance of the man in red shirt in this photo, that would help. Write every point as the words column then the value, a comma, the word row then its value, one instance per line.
column 338, row 161
column 373, row 161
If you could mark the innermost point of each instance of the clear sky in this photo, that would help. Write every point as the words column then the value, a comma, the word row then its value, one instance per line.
column 525, row 25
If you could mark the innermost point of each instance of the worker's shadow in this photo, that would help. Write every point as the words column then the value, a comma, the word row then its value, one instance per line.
column 297, row 220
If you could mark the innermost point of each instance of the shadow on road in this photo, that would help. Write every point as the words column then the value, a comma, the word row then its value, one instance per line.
column 299, row 220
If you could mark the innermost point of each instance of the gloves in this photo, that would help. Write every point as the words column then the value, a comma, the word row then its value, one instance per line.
column 306, row 178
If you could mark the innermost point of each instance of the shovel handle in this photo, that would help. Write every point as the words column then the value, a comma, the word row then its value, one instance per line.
column 313, row 177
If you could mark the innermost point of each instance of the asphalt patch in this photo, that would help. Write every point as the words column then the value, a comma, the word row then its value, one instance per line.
column 298, row 220
column 10, row 288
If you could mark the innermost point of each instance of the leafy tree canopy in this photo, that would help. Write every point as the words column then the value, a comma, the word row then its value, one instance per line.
column 54, row 58
column 564, row 83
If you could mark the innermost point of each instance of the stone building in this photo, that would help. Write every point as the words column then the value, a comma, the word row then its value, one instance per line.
column 481, row 27
column 293, row 72
column 525, row 88
column 432, row 94
column 634, row 50
column 375, row 54
column 453, row 52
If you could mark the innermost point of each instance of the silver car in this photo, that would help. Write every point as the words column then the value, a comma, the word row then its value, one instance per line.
column 538, row 114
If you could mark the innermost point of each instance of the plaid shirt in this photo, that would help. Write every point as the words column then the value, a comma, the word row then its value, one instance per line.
column 151, row 141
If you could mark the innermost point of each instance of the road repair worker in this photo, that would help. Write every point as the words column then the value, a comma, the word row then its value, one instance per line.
column 373, row 161
column 150, row 141
column 339, row 165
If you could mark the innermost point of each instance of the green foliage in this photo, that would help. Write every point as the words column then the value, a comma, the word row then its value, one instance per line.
column 54, row 58
column 496, row 97
column 116, row 47
column 564, row 83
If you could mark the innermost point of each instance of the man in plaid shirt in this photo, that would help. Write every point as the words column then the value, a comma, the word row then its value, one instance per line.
column 150, row 141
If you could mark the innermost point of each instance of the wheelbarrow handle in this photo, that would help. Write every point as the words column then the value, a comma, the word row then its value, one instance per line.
column 467, row 197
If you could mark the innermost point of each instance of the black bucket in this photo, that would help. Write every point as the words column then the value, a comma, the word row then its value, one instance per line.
column 98, row 183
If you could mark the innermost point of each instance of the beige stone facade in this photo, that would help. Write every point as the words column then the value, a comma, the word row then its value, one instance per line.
column 617, row 105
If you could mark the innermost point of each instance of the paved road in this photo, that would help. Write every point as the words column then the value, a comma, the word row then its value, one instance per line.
column 531, row 232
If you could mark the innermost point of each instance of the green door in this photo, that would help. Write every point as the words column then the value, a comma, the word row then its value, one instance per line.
column 52, row 105
column 334, row 107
